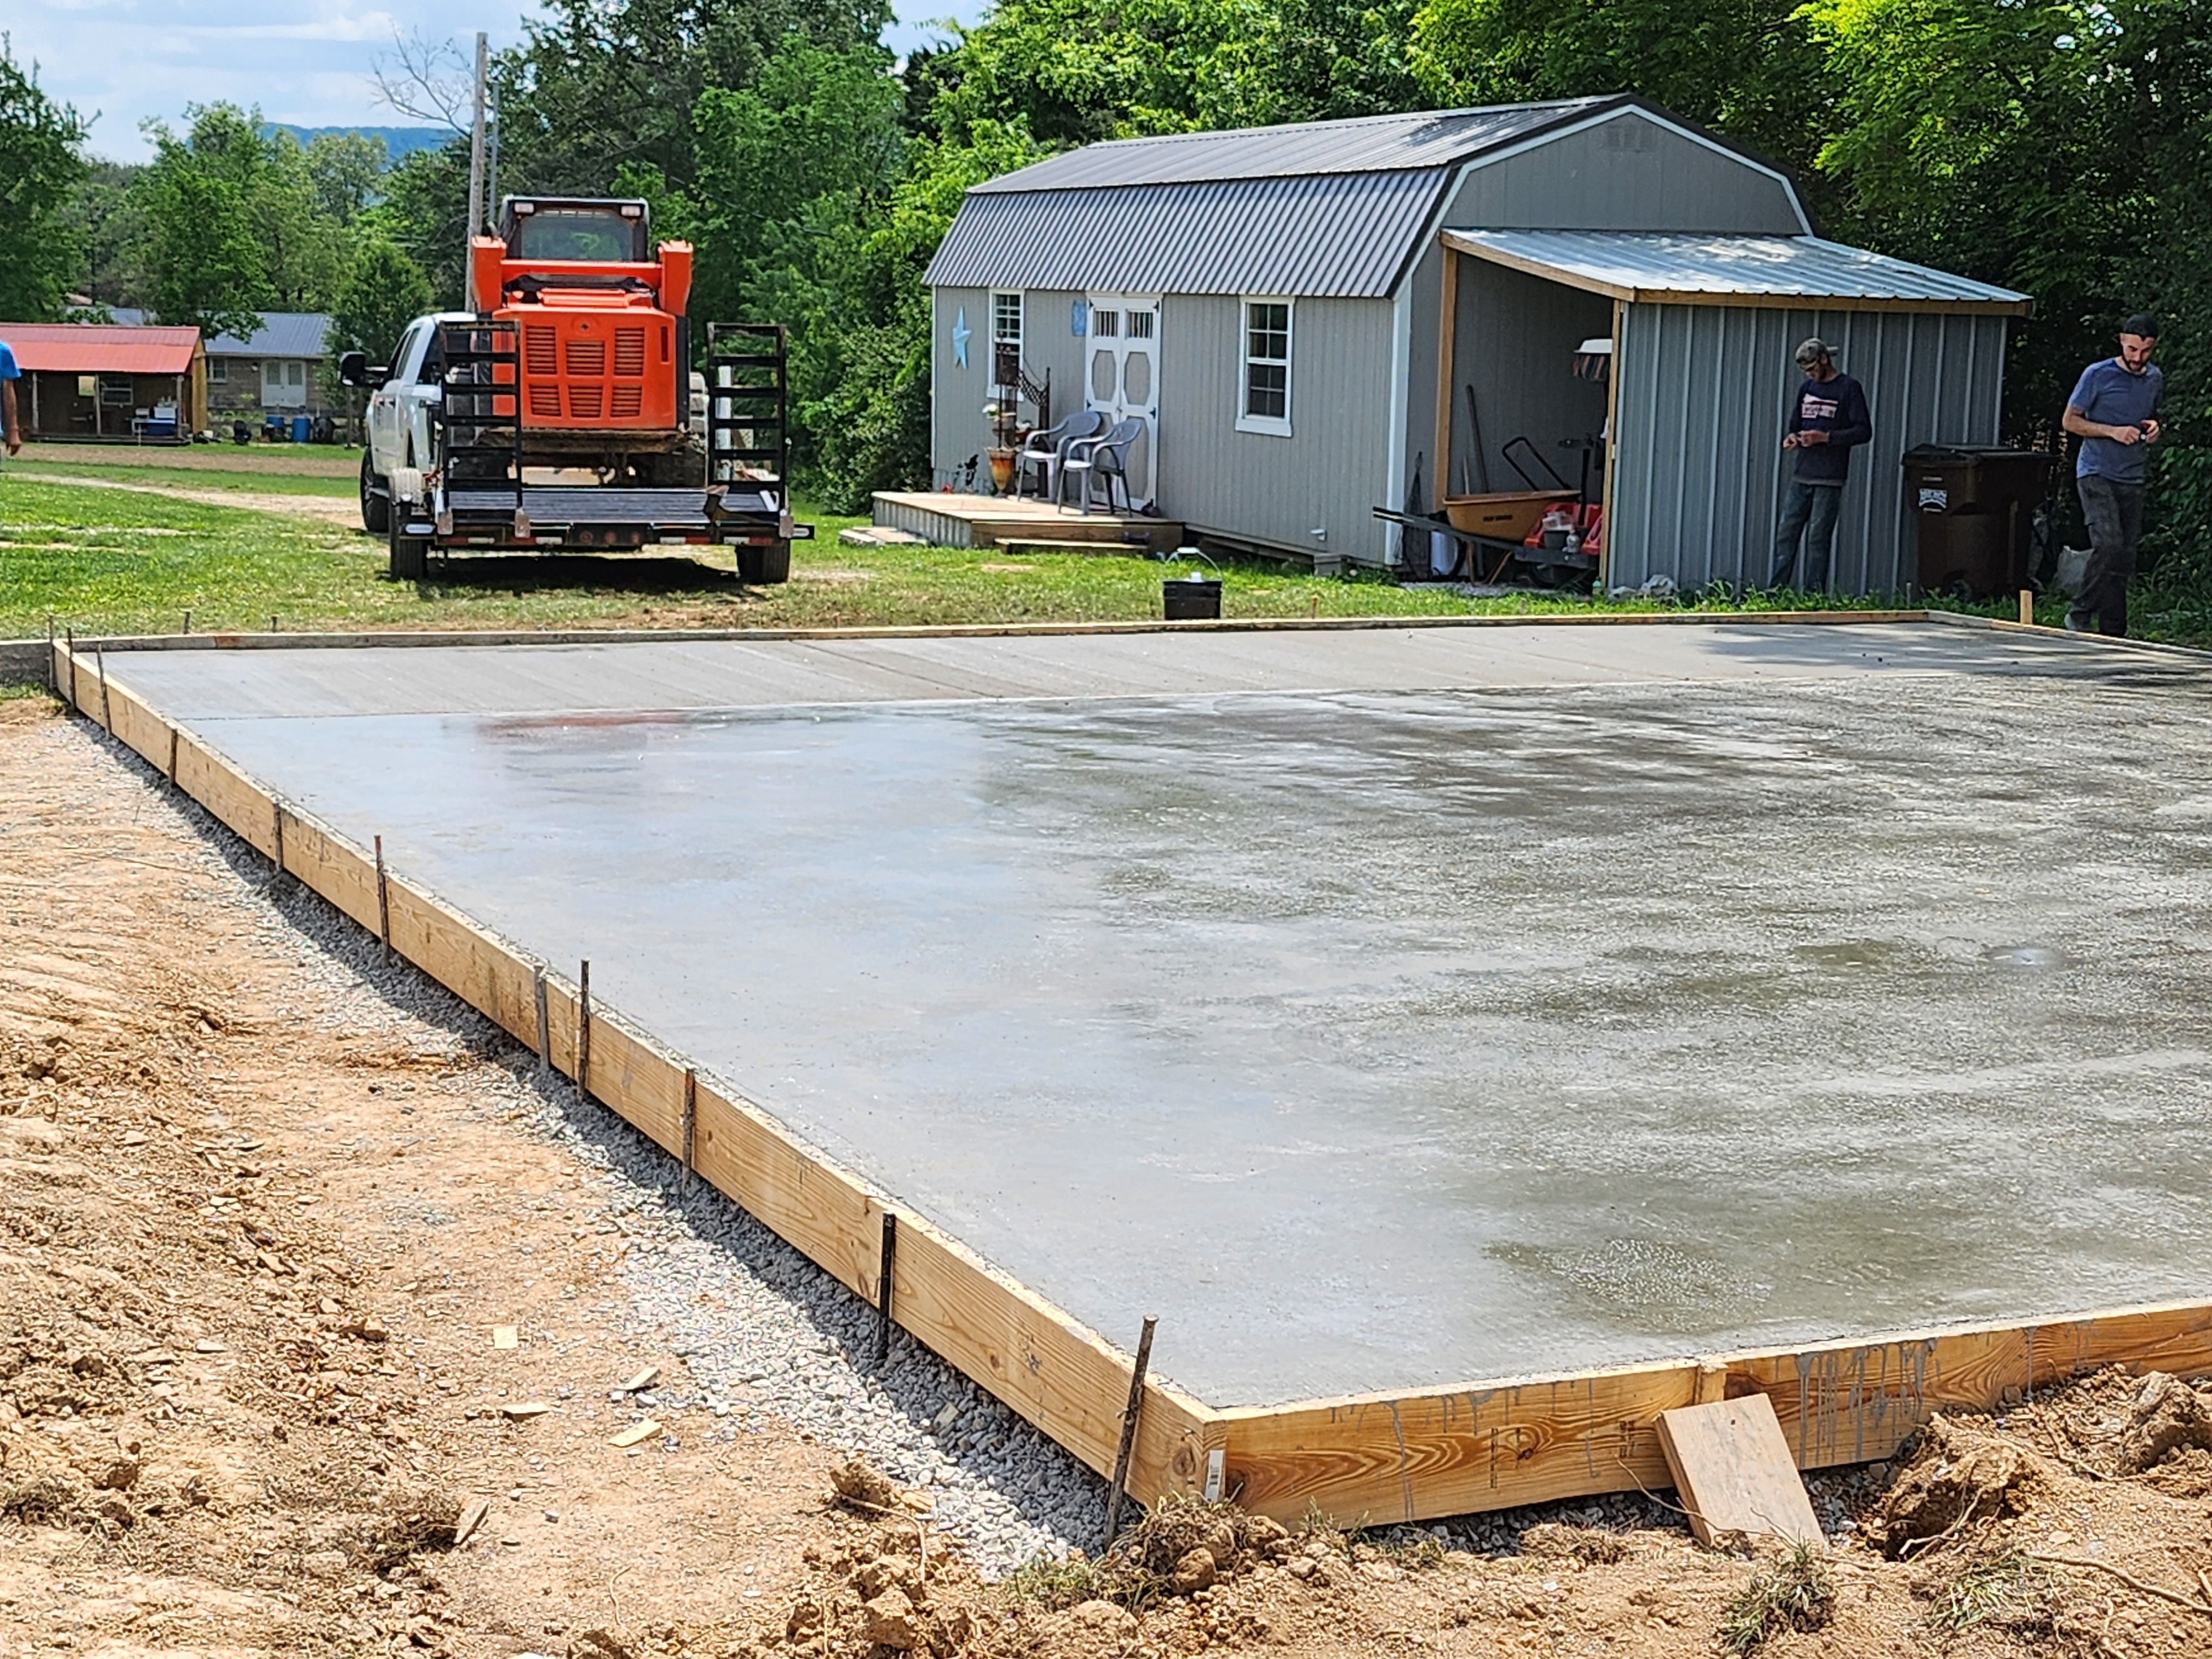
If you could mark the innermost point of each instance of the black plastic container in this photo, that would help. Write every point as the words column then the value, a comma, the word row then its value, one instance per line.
column 1975, row 508
column 1190, row 599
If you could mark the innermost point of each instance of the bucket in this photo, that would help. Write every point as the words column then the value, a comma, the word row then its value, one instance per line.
column 301, row 426
column 1190, row 599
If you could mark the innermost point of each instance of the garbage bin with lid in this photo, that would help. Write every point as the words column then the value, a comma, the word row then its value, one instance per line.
column 1975, row 506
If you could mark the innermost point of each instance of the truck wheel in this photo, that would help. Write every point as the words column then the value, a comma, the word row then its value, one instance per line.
column 411, row 555
column 375, row 499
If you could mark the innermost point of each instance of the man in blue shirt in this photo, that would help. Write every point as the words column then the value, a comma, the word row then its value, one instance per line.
column 2113, row 410
column 1828, row 419
column 11, row 426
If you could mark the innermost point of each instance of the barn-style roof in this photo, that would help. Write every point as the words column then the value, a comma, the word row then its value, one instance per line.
column 1324, row 208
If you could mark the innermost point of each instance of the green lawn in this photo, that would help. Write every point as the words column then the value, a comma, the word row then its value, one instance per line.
column 102, row 560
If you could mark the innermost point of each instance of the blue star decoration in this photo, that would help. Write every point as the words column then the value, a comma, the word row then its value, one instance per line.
column 960, row 338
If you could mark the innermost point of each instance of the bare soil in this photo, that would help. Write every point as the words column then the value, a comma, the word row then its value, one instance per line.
column 265, row 1240
column 336, row 509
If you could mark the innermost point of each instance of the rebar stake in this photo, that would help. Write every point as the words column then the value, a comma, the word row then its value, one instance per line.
column 690, row 1122
column 383, row 907
column 545, row 1022
column 1129, row 1415
column 886, row 1276
column 584, row 1031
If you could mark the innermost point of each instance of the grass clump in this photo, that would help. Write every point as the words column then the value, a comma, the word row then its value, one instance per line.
column 2010, row 1589
column 1797, row 1592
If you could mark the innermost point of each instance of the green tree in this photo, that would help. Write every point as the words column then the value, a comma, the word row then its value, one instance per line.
column 383, row 290
column 601, row 84
column 205, row 260
column 39, row 165
column 425, row 212
column 346, row 170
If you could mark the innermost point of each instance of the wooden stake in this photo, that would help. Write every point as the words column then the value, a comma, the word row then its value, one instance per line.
column 1129, row 1415
column 188, row 622
column 885, row 1276
column 173, row 757
column 544, row 1023
column 2028, row 607
column 276, row 817
column 107, row 709
column 584, row 1031
column 383, row 909
column 690, row 1122
column 52, row 684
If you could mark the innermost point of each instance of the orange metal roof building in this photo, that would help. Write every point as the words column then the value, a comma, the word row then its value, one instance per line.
column 99, row 349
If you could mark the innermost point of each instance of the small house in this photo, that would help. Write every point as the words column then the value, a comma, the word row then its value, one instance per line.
column 1314, row 321
column 109, row 381
column 275, row 370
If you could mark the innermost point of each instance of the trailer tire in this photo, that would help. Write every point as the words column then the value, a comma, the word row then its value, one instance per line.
column 375, row 499
column 763, row 566
column 409, row 560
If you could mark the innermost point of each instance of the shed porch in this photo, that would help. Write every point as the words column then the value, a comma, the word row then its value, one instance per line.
column 948, row 519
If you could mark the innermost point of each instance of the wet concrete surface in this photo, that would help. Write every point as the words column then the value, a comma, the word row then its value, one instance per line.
column 1386, row 1039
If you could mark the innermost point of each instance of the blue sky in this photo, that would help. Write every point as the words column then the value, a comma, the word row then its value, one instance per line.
column 305, row 63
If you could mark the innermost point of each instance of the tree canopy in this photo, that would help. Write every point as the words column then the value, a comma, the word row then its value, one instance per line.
column 41, row 166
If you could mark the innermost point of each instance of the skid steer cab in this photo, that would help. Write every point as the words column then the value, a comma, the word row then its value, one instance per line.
column 564, row 414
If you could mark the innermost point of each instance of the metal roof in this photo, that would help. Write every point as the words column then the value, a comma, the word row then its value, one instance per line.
column 1670, row 268
column 99, row 349
column 282, row 334
column 1330, row 234
column 1380, row 144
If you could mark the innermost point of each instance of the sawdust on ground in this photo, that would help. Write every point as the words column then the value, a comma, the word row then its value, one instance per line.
column 248, row 1399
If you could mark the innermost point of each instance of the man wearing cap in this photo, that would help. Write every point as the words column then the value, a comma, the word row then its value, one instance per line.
column 2113, row 410
column 1828, row 420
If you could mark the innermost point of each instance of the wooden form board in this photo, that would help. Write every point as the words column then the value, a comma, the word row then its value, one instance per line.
column 1380, row 1458
column 1733, row 1471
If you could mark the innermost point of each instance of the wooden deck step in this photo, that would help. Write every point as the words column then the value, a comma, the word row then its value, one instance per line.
column 1104, row 550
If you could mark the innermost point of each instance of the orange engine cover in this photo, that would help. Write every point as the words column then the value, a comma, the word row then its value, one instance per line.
column 596, row 362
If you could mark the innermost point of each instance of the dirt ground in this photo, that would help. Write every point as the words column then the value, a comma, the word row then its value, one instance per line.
column 338, row 509
column 249, row 1396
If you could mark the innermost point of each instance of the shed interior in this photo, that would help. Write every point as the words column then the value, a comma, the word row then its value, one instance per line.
column 1514, row 414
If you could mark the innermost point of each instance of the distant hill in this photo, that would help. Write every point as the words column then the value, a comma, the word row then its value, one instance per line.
column 398, row 140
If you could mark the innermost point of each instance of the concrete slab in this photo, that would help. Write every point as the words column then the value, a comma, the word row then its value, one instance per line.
column 1684, row 989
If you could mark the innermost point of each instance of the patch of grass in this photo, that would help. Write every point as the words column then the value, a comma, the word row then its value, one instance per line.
column 239, row 482
column 21, row 690
column 1052, row 1584
column 1797, row 1592
column 2010, row 1589
column 262, row 460
column 120, row 561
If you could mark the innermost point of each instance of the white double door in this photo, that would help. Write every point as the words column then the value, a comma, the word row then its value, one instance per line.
column 1122, row 378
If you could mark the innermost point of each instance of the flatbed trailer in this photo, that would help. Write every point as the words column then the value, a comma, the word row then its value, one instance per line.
column 479, row 498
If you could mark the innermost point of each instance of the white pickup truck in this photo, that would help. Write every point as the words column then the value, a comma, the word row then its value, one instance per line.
column 401, row 444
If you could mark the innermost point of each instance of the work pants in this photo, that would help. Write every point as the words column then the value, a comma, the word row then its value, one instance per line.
column 2113, row 511
column 1809, row 514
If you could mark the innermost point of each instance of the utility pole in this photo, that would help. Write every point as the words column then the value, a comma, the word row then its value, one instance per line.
column 475, row 170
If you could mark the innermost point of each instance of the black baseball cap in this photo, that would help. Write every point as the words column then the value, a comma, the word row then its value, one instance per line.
column 2142, row 325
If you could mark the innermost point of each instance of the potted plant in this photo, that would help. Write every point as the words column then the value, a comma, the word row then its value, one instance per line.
column 1003, row 417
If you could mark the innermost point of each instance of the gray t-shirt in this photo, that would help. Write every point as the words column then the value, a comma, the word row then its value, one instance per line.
column 2110, row 395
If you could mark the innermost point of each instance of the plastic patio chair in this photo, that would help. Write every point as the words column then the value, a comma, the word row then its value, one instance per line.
column 1046, row 451
column 1105, row 458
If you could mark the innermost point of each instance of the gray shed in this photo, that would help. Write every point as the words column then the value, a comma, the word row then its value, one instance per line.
column 1309, row 317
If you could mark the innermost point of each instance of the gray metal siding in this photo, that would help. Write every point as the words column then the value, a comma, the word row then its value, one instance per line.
column 1332, row 234
column 1049, row 342
column 956, row 395
column 1700, row 469
column 1328, row 474
column 1625, row 173
column 1515, row 343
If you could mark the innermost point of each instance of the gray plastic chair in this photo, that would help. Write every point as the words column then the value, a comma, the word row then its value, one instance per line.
column 1105, row 458
column 1047, row 450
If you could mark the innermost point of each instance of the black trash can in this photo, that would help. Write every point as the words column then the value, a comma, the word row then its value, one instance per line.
column 1190, row 599
column 1975, row 506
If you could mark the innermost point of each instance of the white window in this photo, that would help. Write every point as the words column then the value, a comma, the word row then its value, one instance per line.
column 1106, row 324
column 1006, row 341
column 218, row 370
column 1266, row 405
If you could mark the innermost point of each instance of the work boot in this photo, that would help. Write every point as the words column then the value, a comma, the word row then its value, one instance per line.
column 2074, row 624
